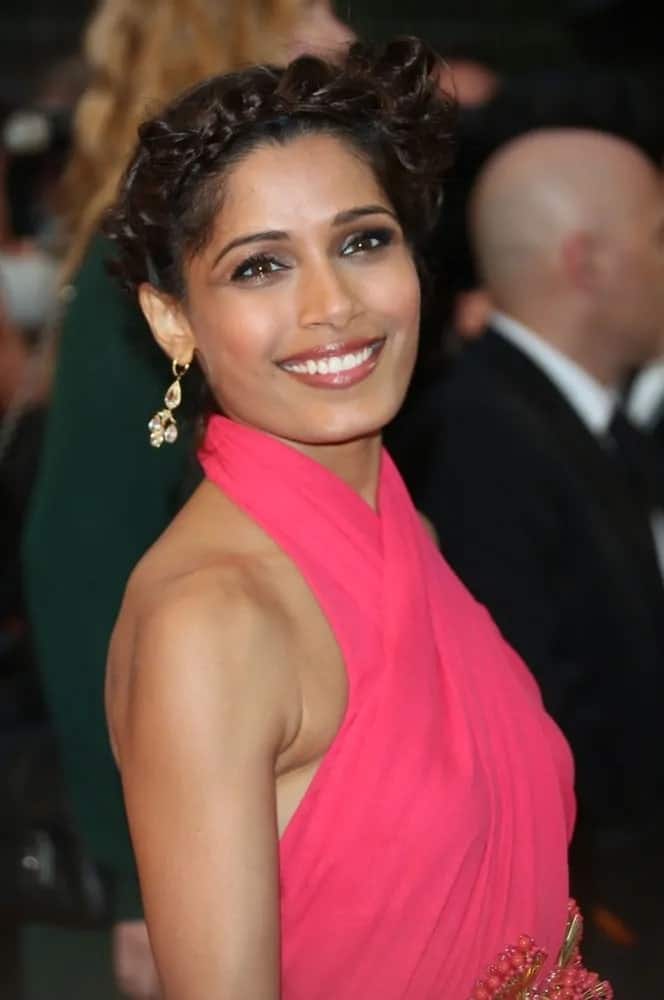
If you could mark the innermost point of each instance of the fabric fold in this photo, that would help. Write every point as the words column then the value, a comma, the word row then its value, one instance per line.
column 434, row 832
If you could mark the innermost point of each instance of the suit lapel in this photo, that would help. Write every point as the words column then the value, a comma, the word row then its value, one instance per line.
column 621, row 531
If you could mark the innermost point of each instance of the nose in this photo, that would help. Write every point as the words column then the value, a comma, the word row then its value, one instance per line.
column 325, row 298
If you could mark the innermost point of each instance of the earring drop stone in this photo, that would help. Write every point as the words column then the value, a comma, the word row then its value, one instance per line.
column 173, row 396
column 156, row 438
column 163, row 426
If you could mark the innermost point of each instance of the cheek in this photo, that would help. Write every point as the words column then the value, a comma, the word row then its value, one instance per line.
column 235, row 335
column 396, row 298
column 407, row 315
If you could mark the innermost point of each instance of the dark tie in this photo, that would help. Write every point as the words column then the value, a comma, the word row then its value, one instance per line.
column 636, row 461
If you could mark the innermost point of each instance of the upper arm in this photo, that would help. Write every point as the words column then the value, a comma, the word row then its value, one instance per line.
column 197, row 749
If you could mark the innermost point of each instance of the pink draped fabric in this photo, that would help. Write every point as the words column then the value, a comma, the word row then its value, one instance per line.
column 435, row 830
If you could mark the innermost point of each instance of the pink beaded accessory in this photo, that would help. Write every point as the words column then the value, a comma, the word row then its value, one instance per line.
column 514, row 973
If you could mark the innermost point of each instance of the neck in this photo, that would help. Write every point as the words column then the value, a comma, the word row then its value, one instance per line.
column 603, row 369
column 356, row 462
column 575, row 340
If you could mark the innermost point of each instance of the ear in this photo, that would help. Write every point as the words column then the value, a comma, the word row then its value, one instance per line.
column 580, row 260
column 170, row 327
column 472, row 309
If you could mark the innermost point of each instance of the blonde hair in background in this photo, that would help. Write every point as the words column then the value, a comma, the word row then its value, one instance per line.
column 140, row 54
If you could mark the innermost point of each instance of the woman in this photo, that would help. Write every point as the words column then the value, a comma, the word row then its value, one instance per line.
column 320, row 735
column 100, row 501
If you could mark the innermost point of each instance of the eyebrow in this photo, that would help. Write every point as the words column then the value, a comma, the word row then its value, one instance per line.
column 340, row 219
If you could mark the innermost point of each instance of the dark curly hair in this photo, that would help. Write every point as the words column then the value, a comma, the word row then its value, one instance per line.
column 386, row 103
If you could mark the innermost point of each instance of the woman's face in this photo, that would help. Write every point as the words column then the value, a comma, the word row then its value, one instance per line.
column 317, row 30
column 304, row 307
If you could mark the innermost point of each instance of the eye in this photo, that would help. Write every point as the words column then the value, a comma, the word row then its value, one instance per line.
column 257, row 268
column 365, row 242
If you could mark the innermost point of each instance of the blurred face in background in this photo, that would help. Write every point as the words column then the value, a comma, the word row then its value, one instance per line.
column 632, row 297
column 471, row 82
column 317, row 30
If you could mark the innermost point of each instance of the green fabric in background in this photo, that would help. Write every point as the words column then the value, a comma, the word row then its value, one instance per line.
column 67, row 965
column 102, row 497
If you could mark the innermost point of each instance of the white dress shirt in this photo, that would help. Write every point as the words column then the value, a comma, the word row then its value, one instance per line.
column 646, row 396
column 593, row 402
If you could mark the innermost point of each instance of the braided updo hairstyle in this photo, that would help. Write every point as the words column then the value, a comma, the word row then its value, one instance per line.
column 386, row 104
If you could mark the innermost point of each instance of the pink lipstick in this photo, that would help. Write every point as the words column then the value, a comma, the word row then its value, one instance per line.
column 335, row 366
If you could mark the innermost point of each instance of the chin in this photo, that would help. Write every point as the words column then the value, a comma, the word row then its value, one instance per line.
column 339, row 426
column 323, row 428
column 327, row 421
column 331, row 434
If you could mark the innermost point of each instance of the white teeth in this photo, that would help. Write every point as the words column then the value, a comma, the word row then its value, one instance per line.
column 331, row 365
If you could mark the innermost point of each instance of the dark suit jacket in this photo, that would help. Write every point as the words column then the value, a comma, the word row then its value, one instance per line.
column 657, row 434
column 534, row 515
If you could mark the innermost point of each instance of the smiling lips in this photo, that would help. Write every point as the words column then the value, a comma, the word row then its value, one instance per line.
column 335, row 366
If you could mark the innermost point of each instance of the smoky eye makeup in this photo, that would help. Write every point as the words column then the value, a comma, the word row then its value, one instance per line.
column 257, row 267
column 262, row 265
column 368, row 240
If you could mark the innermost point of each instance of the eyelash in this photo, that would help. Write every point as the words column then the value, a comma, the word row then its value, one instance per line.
column 263, row 264
column 257, row 261
column 383, row 238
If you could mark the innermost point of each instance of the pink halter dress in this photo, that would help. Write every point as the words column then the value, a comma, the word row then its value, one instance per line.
column 428, row 858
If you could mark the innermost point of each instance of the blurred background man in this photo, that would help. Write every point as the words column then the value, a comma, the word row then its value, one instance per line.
column 549, row 503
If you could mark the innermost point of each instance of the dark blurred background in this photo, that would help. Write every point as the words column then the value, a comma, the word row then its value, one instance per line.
column 513, row 35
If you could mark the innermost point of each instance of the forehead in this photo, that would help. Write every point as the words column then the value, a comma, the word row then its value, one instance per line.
column 304, row 181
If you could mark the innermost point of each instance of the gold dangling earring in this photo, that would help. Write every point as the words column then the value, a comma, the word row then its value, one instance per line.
column 163, row 426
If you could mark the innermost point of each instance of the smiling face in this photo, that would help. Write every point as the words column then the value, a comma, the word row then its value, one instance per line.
column 303, row 307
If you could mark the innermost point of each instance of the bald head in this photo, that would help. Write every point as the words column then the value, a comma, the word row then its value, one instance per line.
column 568, row 230
column 543, row 187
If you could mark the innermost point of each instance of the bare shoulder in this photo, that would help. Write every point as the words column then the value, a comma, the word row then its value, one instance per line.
column 214, row 638
column 221, row 606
